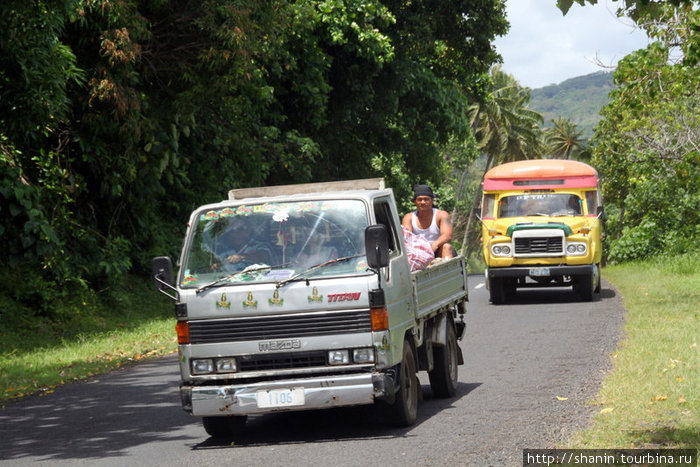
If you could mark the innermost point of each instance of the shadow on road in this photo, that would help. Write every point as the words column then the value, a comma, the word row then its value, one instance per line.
column 106, row 416
column 551, row 295
column 96, row 419
column 351, row 423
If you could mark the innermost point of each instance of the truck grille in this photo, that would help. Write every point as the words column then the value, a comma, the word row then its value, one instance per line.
column 282, row 361
column 535, row 245
column 277, row 327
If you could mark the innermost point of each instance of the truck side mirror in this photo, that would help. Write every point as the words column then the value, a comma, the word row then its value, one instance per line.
column 162, row 268
column 377, row 246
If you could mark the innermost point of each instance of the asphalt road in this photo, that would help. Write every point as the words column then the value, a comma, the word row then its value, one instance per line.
column 531, row 367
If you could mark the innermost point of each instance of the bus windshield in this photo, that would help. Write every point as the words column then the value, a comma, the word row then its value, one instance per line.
column 540, row 204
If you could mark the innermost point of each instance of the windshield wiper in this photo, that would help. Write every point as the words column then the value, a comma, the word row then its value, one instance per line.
column 227, row 278
column 314, row 267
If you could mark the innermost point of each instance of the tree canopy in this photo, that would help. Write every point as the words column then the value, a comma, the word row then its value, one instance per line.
column 646, row 146
column 118, row 117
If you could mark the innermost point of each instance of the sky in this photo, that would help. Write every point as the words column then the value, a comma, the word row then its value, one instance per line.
column 544, row 47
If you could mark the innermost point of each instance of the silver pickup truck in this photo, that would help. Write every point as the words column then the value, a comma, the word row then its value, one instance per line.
column 300, row 297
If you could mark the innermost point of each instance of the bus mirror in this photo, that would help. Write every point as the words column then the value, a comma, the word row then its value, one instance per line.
column 601, row 213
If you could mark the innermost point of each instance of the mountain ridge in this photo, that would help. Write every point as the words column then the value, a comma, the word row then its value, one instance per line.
column 578, row 99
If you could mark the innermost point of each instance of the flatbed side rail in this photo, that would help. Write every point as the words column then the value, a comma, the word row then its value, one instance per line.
column 440, row 286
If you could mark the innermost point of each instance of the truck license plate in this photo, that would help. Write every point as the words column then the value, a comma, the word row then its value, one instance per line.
column 539, row 272
column 280, row 397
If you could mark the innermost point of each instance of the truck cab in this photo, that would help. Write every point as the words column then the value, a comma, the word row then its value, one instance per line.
column 541, row 227
column 301, row 297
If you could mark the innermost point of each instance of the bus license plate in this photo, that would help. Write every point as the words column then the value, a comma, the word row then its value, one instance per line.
column 280, row 397
column 539, row 272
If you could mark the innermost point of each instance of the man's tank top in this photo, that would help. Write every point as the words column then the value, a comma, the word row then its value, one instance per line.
column 431, row 233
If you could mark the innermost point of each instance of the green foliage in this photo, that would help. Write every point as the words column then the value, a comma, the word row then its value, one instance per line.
column 578, row 100
column 646, row 149
column 651, row 397
column 563, row 139
column 118, row 118
column 88, row 333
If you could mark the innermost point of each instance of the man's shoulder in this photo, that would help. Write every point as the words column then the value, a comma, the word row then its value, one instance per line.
column 441, row 213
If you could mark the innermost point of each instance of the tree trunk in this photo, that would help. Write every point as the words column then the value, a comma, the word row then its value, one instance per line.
column 464, row 251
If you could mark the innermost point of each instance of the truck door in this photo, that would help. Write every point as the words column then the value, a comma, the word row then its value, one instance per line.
column 398, row 287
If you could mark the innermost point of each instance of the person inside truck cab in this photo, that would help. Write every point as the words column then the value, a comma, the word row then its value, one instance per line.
column 429, row 222
column 236, row 245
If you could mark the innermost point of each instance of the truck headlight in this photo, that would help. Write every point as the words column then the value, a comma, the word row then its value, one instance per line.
column 501, row 250
column 226, row 365
column 365, row 355
column 576, row 249
column 338, row 357
column 202, row 366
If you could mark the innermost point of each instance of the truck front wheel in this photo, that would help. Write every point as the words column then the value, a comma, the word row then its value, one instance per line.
column 497, row 290
column 404, row 410
column 224, row 427
column 443, row 377
column 586, row 285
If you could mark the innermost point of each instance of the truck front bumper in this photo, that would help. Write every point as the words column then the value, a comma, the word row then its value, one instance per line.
column 554, row 271
column 319, row 393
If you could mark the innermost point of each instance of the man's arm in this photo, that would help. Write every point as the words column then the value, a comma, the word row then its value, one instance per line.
column 445, row 225
column 407, row 221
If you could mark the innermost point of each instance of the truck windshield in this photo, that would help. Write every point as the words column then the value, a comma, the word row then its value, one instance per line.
column 272, row 242
column 540, row 204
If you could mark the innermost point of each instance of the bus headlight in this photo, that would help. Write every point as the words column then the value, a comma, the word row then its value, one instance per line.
column 576, row 249
column 501, row 249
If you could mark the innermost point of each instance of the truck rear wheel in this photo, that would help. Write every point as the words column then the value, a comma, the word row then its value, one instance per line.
column 443, row 377
column 224, row 427
column 404, row 410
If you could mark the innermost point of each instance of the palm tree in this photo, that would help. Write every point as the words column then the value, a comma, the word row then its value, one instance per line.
column 505, row 128
column 564, row 139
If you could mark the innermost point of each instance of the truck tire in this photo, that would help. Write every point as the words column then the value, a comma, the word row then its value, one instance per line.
column 597, row 276
column 443, row 377
column 497, row 291
column 586, row 286
column 404, row 410
column 224, row 427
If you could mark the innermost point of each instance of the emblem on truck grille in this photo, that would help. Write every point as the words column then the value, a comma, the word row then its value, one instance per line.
column 287, row 344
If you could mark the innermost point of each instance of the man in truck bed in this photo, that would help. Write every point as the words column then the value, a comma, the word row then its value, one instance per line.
column 429, row 222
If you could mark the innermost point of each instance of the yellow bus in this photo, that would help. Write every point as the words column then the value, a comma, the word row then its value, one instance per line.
column 541, row 227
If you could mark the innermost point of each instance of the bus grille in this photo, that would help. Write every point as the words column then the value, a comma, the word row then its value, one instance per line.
column 539, row 245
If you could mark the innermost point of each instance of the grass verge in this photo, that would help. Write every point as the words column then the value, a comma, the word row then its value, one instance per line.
column 90, row 334
column 651, row 399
